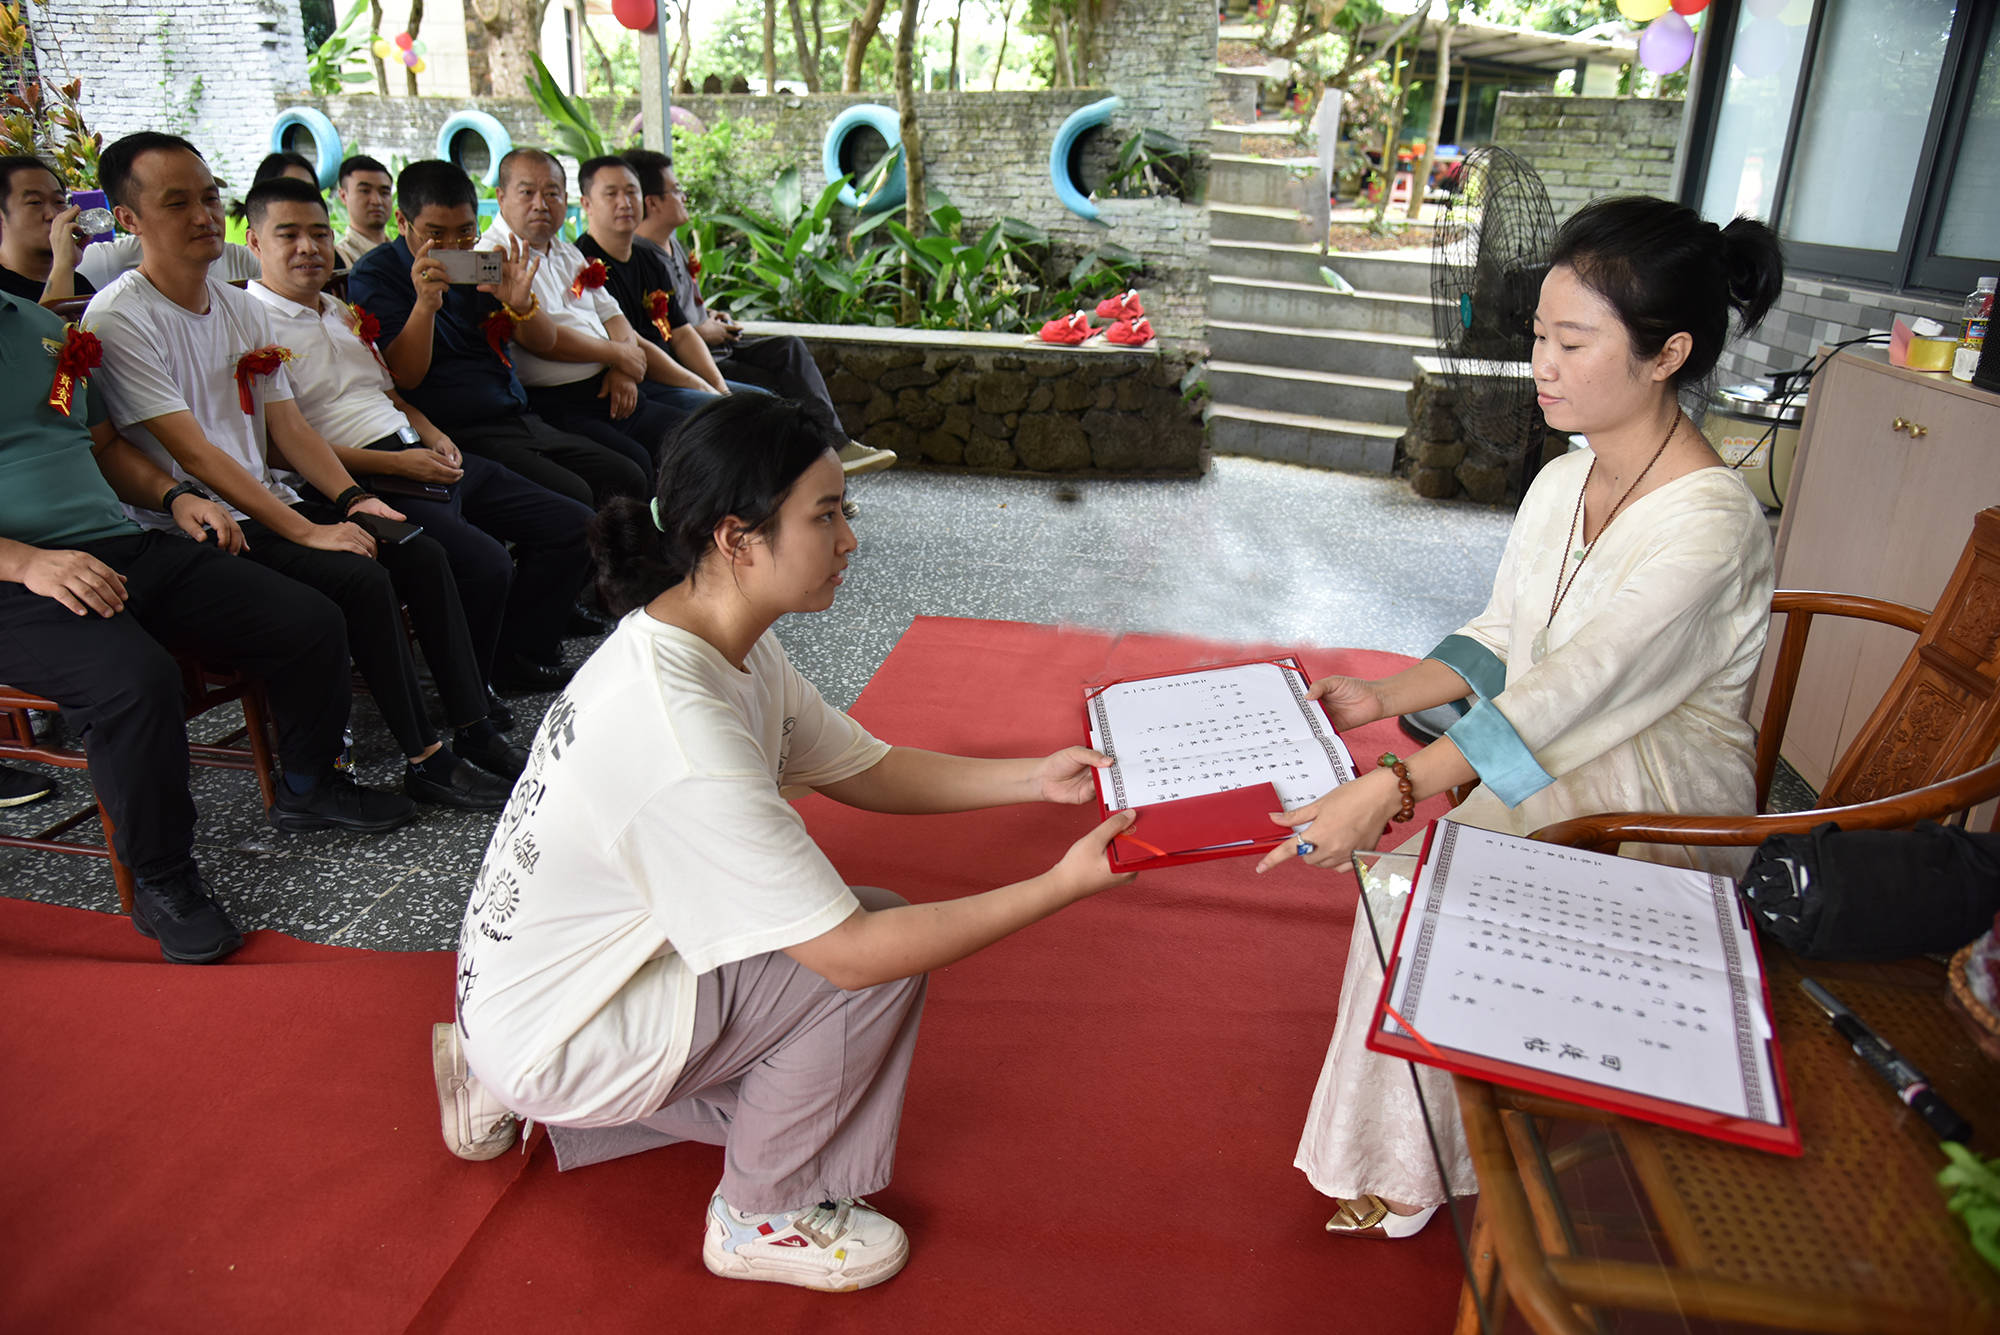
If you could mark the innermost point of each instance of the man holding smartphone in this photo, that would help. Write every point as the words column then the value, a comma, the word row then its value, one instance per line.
column 193, row 374
column 451, row 347
column 516, row 606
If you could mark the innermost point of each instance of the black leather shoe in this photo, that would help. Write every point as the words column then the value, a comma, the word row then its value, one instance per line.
column 587, row 621
column 492, row 753
column 497, row 712
column 518, row 676
column 339, row 803
column 466, row 787
column 18, row 787
column 177, row 912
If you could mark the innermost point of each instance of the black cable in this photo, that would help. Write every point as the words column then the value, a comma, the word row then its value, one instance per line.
column 1797, row 382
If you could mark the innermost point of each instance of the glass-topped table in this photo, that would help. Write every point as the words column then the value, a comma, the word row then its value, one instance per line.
column 1577, row 1220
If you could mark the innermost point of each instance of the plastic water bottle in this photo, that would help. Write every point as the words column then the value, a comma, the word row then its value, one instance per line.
column 1978, row 315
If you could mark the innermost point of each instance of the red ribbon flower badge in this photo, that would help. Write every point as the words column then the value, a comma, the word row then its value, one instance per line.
column 79, row 355
column 658, row 306
column 499, row 331
column 366, row 327
column 694, row 267
column 256, row 362
column 591, row 275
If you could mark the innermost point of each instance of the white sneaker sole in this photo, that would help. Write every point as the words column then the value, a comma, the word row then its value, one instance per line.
column 449, row 1071
column 776, row 1270
column 856, row 459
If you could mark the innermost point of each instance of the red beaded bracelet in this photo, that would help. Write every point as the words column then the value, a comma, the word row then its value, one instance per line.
column 1387, row 760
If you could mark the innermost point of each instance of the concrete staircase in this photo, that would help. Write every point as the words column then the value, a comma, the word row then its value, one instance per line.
column 1297, row 370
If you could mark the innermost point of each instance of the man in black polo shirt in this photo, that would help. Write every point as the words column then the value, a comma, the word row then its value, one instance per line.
column 38, row 251
column 92, row 608
column 448, row 353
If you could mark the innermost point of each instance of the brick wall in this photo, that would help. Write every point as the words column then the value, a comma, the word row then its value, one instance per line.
column 213, row 74
column 1584, row 147
column 1816, row 312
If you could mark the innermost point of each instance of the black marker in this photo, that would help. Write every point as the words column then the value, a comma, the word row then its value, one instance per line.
column 1910, row 1084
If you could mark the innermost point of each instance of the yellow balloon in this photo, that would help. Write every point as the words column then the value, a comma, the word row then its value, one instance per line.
column 381, row 48
column 420, row 66
column 1643, row 11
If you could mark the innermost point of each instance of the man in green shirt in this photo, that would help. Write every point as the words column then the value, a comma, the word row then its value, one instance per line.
column 93, row 609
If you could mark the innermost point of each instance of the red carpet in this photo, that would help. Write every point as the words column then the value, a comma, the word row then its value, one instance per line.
column 1098, row 1134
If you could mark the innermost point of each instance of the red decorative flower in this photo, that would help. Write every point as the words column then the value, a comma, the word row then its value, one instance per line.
column 591, row 275
column 256, row 362
column 499, row 331
column 366, row 327
column 694, row 267
column 80, row 354
column 659, row 309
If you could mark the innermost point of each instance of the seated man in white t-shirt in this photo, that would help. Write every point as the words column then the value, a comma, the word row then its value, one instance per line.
column 194, row 376
column 601, row 379
column 348, row 396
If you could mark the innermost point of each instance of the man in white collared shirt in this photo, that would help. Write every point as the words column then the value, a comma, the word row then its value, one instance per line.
column 595, row 380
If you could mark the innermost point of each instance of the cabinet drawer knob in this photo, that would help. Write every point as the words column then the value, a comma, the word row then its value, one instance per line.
column 1915, row 429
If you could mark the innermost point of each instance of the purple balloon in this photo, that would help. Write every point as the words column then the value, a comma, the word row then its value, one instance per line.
column 1666, row 43
column 1760, row 49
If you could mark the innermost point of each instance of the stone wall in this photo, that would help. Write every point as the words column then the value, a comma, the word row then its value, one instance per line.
column 1816, row 312
column 998, row 403
column 406, row 128
column 211, row 75
column 1584, row 147
column 1441, row 463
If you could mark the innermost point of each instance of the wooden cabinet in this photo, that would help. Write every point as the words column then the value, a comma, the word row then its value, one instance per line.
column 1892, row 466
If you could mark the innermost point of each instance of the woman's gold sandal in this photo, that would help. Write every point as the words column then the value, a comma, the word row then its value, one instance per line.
column 1368, row 1217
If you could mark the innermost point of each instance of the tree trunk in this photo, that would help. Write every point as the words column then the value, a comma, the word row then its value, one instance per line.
column 913, row 149
column 1060, row 72
column 770, row 47
column 416, row 22
column 511, row 31
column 957, row 20
column 681, row 56
column 1394, row 130
column 808, row 67
column 860, row 32
column 1438, row 92
column 1000, row 56
column 375, row 25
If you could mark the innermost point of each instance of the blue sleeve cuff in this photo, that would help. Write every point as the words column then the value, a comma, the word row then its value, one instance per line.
column 1481, row 667
column 1505, row 764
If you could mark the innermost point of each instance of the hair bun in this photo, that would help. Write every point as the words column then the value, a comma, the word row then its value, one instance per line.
column 1754, row 264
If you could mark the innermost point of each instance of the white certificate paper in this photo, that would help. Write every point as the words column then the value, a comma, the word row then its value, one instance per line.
column 1624, row 973
column 1214, row 729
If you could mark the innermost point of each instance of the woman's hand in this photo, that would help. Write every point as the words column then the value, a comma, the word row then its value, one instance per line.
column 1350, row 702
column 1349, row 817
column 1067, row 776
column 1085, row 870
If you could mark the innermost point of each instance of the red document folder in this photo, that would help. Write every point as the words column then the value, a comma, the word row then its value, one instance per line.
column 1782, row 1138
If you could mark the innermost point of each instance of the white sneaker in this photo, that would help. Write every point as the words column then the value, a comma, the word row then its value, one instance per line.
column 858, row 458
column 476, row 1126
column 832, row 1246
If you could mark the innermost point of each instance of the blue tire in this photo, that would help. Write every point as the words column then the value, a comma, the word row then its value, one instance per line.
column 491, row 133
column 1063, row 152
column 884, row 121
column 326, row 140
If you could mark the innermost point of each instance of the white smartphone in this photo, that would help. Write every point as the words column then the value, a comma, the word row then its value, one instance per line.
column 469, row 266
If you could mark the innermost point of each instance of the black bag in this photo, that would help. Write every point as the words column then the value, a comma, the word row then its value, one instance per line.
column 1874, row 894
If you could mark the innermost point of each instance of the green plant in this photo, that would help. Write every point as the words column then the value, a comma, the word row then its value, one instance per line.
column 342, row 59
column 1975, row 1197
column 42, row 119
column 572, row 127
column 726, row 169
column 797, row 268
column 1151, row 163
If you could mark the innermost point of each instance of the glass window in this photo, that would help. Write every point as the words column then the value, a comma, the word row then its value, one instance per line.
column 1972, row 206
column 1868, row 107
column 1763, row 80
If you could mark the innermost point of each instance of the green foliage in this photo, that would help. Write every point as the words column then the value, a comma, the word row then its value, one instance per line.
column 1975, row 1197
column 789, row 265
column 572, row 127
column 40, row 118
column 725, row 170
column 341, row 61
column 1151, row 163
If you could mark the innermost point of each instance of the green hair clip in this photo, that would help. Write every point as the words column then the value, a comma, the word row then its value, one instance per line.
column 655, row 508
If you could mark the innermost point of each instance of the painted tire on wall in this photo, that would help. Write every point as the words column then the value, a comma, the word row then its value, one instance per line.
column 491, row 133
column 326, row 152
column 883, row 121
column 1063, row 154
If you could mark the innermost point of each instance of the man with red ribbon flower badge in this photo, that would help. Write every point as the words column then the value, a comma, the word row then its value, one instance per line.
column 194, row 375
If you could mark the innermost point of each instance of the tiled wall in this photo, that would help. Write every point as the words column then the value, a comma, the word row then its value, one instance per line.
column 1815, row 312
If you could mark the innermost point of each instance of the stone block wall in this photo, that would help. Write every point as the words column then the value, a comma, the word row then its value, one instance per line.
column 406, row 128
column 993, row 403
column 212, row 75
column 1817, row 312
column 1584, row 147
column 1441, row 463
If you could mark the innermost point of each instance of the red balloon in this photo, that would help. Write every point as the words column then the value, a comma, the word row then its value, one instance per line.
column 1687, row 7
column 639, row 15
column 404, row 40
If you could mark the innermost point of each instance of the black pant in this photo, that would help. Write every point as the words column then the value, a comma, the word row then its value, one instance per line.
column 120, row 688
column 515, row 606
column 780, row 363
column 568, row 464
column 639, row 437
column 371, row 596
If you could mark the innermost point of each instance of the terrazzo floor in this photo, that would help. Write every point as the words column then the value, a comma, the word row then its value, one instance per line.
column 1253, row 552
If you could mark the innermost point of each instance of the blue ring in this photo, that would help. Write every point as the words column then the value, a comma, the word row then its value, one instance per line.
column 885, row 122
column 1080, row 122
column 498, row 142
column 1306, row 849
column 326, row 140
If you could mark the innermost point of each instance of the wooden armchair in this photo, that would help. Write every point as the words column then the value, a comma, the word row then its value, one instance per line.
column 1926, row 753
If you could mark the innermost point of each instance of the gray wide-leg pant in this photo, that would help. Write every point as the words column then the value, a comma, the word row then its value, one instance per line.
column 799, row 1082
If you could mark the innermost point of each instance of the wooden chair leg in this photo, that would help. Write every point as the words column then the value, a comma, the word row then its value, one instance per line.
column 1483, row 1284
column 121, row 875
column 258, row 724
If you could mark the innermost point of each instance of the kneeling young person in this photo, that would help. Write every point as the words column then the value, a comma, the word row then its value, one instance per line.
column 655, row 950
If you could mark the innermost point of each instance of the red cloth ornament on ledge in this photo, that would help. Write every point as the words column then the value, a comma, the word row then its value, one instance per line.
column 79, row 355
column 658, row 309
column 256, row 362
column 591, row 275
column 499, row 331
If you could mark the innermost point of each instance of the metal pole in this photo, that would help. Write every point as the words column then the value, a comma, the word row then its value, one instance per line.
column 666, row 81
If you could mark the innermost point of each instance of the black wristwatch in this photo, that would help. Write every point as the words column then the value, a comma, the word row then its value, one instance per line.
column 348, row 499
column 180, row 489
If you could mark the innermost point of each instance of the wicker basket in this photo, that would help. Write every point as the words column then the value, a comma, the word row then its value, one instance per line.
column 1983, row 1023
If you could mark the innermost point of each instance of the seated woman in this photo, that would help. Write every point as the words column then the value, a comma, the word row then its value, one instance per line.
column 655, row 949
column 1612, row 668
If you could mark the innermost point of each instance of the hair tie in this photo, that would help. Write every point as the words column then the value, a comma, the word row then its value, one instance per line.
column 654, row 506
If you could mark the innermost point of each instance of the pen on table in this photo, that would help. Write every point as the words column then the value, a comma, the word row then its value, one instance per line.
column 1910, row 1084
